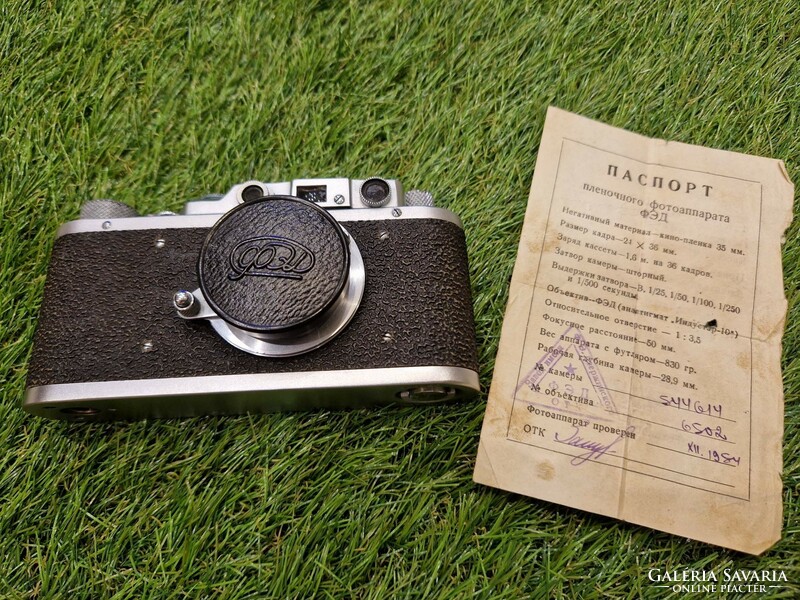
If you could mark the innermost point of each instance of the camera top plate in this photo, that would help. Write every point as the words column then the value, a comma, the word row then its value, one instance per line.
column 273, row 264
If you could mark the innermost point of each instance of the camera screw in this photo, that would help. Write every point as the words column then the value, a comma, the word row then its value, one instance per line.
column 147, row 346
column 106, row 224
column 339, row 199
column 387, row 337
column 183, row 299
column 185, row 303
column 160, row 243
column 396, row 212
column 383, row 235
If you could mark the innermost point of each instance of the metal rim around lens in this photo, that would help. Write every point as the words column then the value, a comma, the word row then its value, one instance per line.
column 317, row 333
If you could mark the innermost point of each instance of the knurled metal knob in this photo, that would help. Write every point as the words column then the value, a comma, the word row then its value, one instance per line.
column 375, row 192
column 107, row 209
column 418, row 198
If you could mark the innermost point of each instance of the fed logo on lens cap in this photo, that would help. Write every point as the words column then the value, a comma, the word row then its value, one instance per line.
column 270, row 256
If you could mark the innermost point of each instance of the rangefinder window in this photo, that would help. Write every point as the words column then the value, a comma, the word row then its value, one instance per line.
column 313, row 193
column 375, row 192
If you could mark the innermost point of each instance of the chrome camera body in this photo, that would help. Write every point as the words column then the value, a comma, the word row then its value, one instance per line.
column 275, row 296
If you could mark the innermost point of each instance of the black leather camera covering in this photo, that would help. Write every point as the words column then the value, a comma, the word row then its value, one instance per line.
column 273, row 263
column 107, row 293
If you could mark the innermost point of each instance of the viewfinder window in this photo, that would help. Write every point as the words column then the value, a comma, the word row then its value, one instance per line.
column 313, row 193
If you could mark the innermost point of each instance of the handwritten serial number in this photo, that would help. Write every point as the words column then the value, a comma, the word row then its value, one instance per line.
column 701, row 408
column 703, row 430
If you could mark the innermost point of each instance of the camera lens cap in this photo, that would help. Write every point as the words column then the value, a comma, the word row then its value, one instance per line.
column 273, row 264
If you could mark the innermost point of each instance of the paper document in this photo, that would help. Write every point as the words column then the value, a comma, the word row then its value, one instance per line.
column 638, row 374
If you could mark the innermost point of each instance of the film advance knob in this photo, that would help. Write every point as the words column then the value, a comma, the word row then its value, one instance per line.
column 418, row 198
column 107, row 209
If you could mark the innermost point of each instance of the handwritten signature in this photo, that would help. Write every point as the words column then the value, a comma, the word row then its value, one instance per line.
column 594, row 449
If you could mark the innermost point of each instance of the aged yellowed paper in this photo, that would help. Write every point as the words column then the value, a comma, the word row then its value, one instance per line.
column 638, row 374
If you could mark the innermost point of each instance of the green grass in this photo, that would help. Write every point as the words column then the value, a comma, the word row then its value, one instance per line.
column 153, row 103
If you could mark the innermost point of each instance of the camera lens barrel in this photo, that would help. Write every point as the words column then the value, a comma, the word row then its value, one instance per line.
column 281, row 274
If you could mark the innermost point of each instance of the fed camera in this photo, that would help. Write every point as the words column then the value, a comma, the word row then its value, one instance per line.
column 274, row 296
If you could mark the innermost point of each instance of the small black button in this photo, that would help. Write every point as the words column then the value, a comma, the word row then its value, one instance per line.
column 252, row 192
